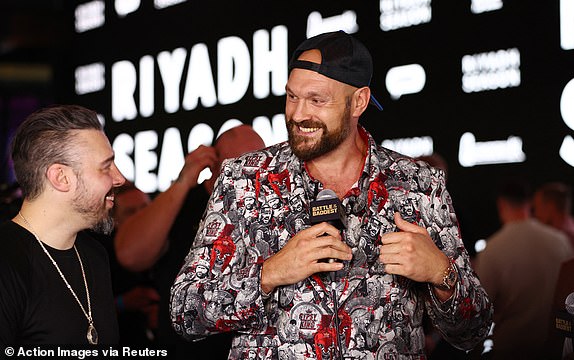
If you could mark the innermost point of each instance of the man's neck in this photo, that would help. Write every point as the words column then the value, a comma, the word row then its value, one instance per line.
column 47, row 224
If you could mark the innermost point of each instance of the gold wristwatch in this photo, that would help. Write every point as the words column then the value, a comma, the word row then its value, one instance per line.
column 449, row 278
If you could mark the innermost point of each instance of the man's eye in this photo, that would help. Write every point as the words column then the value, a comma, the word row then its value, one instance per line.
column 317, row 101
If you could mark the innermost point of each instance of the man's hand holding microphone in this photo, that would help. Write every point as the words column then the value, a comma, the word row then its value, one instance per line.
column 306, row 253
column 320, row 248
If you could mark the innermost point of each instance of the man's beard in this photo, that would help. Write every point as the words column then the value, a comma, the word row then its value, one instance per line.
column 104, row 226
column 93, row 211
column 329, row 140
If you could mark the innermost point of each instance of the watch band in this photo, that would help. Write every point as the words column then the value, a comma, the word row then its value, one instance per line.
column 265, row 295
column 450, row 277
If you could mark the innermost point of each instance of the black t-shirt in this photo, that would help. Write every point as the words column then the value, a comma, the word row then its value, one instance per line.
column 36, row 307
column 133, row 323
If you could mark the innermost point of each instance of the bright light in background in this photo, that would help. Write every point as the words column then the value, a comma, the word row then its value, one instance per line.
column 567, row 150
column 125, row 7
column 204, row 174
column 491, row 70
column 272, row 132
column 89, row 16
column 172, row 159
column 567, row 24
column 145, row 159
column 162, row 4
column 146, row 87
column 199, row 83
column 233, row 69
column 400, row 14
column 101, row 119
column 480, row 6
column 201, row 134
column 472, row 152
column 270, row 55
column 123, row 88
column 229, row 124
column 171, row 66
column 233, row 75
column 479, row 245
column 567, row 112
column 567, row 104
column 406, row 79
column 90, row 78
column 137, row 157
column 123, row 146
column 414, row 147
column 317, row 24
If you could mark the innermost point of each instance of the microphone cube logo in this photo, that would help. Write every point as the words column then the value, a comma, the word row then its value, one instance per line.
column 322, row 210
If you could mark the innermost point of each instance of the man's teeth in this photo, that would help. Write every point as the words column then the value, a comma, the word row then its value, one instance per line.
column 308, row 130
column 110, row 197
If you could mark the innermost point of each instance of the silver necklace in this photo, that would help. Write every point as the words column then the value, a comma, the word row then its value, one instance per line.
column 92, row 334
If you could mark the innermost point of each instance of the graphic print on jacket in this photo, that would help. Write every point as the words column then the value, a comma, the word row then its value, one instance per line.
column 252, row 214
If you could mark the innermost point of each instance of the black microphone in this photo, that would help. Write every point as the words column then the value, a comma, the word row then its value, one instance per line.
column 564, row 317
column 328, row 208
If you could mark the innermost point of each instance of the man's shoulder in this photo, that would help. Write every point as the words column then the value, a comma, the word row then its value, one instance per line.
column 269, row 157
column 529, row 230
column 16, row 248
column 388, row 158
column 400, row 167
column 14, row 238
column 269, row 151
column 390, row 154
column 545, row 230
column 554, row 242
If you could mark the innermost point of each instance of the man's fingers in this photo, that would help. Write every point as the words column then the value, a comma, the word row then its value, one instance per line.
column 404, row 225
column 323, row 228
column 332, row 251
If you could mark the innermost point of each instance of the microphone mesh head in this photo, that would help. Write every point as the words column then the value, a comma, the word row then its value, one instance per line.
column 326, row 194
column 569, row 303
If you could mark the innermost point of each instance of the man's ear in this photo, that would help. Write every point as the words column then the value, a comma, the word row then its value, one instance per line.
column 60, row 177
column 362, row 97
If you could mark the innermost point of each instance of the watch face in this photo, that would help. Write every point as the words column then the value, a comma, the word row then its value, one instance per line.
column 451, row 277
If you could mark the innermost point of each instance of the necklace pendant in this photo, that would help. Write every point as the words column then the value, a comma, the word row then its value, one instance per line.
column 92, row 335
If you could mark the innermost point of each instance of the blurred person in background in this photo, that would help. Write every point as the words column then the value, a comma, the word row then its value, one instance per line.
column 553, row 206
column 519, row 269
column 159, row 235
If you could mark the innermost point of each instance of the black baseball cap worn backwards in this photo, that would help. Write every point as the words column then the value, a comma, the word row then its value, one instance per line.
column 343, row 58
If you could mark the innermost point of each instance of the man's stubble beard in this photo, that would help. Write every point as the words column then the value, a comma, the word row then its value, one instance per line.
column 329, row 141
column 93, row 211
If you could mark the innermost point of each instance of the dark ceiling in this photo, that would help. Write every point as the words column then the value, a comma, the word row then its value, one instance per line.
column 31, row 31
